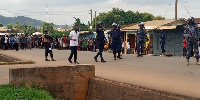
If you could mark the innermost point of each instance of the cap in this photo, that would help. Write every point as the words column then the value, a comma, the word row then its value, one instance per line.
column 46, row 31
column 99, row 23
column 114, row 24
column 142, row 23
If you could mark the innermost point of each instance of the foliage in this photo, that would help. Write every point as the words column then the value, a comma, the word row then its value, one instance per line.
column 82, row 26
column 1, row 25
column 9, row 92
column 22, row 28
column 121, row 17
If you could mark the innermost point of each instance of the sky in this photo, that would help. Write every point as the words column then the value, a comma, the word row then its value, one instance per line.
column 62, row 12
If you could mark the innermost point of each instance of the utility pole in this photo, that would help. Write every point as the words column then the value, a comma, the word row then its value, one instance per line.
column 95, row 20
column 47, row 17
column 91, row 18
column 176, row 11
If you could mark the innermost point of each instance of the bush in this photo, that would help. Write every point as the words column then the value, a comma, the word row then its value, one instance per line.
column 9, row 92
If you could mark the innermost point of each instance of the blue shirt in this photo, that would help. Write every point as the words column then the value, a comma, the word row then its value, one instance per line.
column 115, row 34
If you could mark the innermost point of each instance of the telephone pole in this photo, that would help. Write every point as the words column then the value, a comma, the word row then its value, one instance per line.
column 91, row 17
column 95, row 20
column 176, row 11
column 47, row 16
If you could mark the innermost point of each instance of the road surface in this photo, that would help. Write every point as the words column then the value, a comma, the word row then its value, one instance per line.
column 168, row 74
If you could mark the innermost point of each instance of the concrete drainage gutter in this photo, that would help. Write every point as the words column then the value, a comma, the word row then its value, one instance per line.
column 78, row 82
column 102, row 89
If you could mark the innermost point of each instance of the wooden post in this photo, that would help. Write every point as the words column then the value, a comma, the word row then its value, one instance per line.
column 95, row 20
column 176, row 4
column 125, row 43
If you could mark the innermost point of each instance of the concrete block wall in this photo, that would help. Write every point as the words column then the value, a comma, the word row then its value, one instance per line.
column 102, row 89
column 64, row 82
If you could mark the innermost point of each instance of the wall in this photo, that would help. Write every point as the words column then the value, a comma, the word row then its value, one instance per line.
column 173, row 43
column 65, row 82
column 102, row 89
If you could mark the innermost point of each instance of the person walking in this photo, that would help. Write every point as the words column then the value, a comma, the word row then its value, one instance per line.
column 191, row 33
column 141, row 39
column 100, row 41
column 47, row 45
column 116, row 41
column 73, row 36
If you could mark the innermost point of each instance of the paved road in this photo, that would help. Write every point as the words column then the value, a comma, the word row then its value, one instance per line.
column 161, row 73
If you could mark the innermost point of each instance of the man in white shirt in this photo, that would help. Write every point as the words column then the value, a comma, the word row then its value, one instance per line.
column 74, row 44
column 6, row 42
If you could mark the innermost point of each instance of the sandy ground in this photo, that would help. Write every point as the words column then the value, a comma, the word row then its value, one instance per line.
column 168, row 74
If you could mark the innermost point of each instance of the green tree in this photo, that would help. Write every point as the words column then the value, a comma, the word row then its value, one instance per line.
column 121, row 17
column 82, row 26
column 1, row 25
column 159, row 18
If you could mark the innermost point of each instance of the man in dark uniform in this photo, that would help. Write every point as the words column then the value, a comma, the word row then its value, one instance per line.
column 47, row 45
column 141, row 39
column 100, row 41
column 116, row 41
column 192, row 37
column 162, row 42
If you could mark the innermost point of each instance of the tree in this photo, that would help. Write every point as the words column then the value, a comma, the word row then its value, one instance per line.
column 159, row 18
column 121, row 17
column 1, row 25
column 82, row 26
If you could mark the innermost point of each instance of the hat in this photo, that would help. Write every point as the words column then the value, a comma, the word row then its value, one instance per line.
column 142, row 23
column 46, row 31
column 114, row 24
column 99, row 23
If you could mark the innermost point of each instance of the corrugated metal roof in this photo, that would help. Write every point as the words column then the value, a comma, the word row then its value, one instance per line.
column 167, row 27
column 84, row 32
column 151, row 24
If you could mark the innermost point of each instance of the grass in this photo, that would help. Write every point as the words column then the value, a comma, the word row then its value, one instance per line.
column 9, row 92
column 19, row 62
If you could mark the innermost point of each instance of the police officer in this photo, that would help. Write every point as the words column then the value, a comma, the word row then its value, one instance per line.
column 191, row 33
column 162, row 42
column 116, row 41
column 47, row 45
column 141, row 39
column 100, row 41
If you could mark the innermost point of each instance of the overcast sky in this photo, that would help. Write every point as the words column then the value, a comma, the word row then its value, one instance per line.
column 62, row 11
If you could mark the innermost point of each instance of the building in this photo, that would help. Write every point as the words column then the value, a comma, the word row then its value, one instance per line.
column 174, row 36
column 87, row 34
column 4, row 31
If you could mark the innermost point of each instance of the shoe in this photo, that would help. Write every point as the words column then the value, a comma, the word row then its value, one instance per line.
column 141, row 55
column 76, row 62
column 115, row 59
column 187, row 64
column 47, row 59
column 95, row 58
column 138, row 55
column 119, row 57
column 70, row 61
column 102, row 60
column 53, row 59
column 197, row 63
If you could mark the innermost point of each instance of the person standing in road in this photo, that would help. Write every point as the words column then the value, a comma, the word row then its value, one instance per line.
column 162, row 42
column 191, row 33
column 116, row 41
column 16, row 42
column 47, row 45
column 100, row 41
column 141, row 39
column 73, row 36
